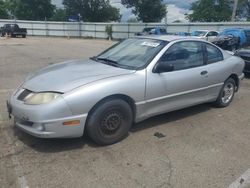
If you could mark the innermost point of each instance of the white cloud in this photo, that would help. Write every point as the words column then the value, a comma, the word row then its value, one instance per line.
column 176, row 9
column 126, row 13
column 176, row 13
column 58, row 3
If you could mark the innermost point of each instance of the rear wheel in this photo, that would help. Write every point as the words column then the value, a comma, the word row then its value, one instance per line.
column 23, row 36
column 226, row 94
column 110, row 122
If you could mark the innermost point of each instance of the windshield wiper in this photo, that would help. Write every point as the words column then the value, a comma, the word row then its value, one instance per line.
column 111, row 62
column 108, row 61
column 93, row 58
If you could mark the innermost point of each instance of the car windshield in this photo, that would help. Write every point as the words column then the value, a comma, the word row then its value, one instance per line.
column 199, row 33
column 132, row 53
column 147, row 29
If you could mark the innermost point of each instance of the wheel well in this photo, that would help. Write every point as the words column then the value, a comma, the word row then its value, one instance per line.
column 126, row 98
column 236, row 79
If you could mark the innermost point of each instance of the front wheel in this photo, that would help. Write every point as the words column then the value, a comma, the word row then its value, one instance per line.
column 110, row 122
column 226, row 94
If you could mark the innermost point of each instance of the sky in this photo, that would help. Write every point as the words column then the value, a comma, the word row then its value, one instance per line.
column 176, row 9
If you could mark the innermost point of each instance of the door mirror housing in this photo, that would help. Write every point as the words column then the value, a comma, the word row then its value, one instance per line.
column 163, row 67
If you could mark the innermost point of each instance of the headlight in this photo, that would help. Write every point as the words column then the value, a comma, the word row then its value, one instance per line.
column 40, row 98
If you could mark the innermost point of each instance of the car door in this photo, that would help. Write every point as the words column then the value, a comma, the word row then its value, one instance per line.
column 182, row 87
column 217, row 70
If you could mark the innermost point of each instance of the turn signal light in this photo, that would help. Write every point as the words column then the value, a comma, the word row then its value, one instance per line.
column 72, row 123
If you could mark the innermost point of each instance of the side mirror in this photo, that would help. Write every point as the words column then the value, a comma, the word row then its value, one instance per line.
column 163, row 67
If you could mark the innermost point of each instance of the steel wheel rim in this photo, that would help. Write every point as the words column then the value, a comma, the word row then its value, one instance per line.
column 111, row 123
column 228, row 92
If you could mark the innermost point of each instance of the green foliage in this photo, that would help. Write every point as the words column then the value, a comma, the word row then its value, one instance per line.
column 210, row 11
column 177, row 21
column 146, row 10
column 132, row 20
column 92, row 10
column 244, row 8
column 31, row 9
column 3, row 10
column 59, row 15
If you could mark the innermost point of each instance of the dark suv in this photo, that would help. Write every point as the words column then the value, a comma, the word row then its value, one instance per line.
column 152, row 31
column 13, row 30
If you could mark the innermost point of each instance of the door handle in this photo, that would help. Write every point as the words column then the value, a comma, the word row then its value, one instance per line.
column 204, row 73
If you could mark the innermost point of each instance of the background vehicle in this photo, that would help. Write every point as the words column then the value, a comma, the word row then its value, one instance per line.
column 227, row 42
column 13, row 30
column 135, row 79
column 152, row 31
column 205, row 34
column 245, row 55
column 182, row 34
column 233, row 38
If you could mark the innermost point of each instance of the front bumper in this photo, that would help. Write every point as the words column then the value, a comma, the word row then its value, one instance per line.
column 242, row 76
column 46, row 121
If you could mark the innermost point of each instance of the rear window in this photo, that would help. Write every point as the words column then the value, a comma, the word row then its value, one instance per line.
column 213, row 54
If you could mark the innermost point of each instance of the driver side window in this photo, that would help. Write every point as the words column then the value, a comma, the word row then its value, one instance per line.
column 184, row 55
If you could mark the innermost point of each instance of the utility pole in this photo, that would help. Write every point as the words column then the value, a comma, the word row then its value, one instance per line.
column 166, row 17
column 234, row 10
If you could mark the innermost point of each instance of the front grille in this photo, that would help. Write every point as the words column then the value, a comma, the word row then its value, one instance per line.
column 24, row 94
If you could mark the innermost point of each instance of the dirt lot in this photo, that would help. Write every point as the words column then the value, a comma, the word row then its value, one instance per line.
column 203, row 146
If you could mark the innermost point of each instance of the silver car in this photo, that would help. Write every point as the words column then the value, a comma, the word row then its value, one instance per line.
column 206, row 35
column 135, row 79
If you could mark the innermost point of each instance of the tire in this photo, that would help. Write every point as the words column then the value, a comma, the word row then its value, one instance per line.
column 226, row 94
column 110, row 122
column 23, row 36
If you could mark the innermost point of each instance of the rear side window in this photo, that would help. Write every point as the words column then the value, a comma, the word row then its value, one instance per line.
column 213, row 54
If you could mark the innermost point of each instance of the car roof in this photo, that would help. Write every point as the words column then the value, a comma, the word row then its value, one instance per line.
column 202, row 30
column 169, row 38
column 235, row 28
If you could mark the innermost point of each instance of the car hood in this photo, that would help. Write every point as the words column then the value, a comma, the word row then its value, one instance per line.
column 223, row 38
column 69, row 75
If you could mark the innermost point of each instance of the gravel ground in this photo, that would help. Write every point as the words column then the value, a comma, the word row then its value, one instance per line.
column 201, row 146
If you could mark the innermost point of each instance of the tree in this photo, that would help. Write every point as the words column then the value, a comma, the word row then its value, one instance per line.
column 177, row 21
column 59, row 15
column 132, row 20
column 31, row 9
column 244, row 9
column 3, row 10
column 210, row 11
column 92, row 10
column 146, row 10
